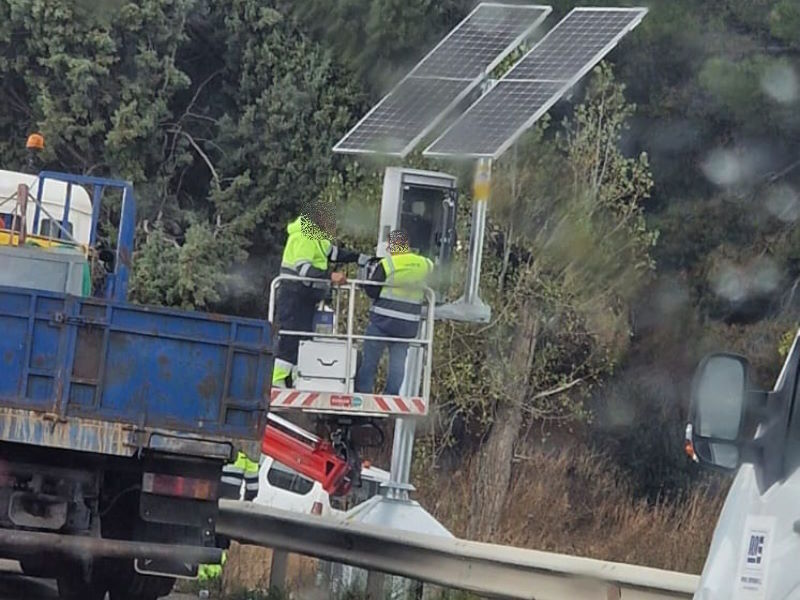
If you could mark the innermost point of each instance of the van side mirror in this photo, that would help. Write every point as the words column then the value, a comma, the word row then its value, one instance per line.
column 718, row 407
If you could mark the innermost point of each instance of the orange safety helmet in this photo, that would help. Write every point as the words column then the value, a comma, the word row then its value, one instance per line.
column 35, row 142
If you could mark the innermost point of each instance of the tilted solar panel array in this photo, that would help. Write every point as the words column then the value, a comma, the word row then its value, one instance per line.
column 454, row 68
column 536, row 82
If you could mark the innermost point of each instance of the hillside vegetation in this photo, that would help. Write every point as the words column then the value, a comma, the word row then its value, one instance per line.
column 650, row 219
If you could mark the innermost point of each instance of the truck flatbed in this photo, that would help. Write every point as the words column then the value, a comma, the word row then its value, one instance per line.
column 96, row 375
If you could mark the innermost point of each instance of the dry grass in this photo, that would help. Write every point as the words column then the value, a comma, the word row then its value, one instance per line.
column 248, row 567
column 575, row 502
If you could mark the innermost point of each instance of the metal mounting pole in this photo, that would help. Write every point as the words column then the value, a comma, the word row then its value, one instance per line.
column 482, row 186
column 470, row 307
column 404, row 429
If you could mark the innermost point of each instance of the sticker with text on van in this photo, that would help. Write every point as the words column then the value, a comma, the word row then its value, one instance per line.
column 751, row 579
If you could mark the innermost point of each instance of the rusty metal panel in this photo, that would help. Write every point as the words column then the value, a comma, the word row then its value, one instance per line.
column 24, row 426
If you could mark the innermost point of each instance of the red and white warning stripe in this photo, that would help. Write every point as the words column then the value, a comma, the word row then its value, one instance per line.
column 347, row 403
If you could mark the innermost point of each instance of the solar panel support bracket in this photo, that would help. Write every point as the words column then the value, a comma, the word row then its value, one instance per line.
column 467, row 312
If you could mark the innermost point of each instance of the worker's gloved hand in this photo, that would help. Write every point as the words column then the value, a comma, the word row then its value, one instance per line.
column 338, row 278
column 363, row 260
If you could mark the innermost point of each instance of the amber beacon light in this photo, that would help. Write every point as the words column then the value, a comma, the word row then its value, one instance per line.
column 35, row 142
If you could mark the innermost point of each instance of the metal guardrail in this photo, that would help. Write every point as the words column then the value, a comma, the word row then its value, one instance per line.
column 486, row 569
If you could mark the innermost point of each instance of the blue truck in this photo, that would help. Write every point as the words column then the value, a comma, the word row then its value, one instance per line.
column 115, row 418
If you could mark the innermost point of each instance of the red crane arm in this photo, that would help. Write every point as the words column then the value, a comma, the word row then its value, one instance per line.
column 314, row 459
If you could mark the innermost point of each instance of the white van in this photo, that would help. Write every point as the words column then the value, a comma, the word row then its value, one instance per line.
column 756, row 434
column 282, row 487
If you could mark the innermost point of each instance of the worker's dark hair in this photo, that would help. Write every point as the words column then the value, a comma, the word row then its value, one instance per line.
column 398, row 242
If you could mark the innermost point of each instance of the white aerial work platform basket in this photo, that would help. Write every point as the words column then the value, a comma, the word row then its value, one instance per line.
column 327, row 362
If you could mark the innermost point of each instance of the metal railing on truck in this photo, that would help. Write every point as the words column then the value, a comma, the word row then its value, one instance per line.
column 14, row 221
column 346, row 400
column 115, row 281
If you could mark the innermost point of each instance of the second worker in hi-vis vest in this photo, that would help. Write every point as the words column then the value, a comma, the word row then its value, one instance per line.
column 395, row 313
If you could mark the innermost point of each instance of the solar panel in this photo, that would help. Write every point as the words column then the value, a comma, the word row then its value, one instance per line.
column 536, row 82
column 443, row 78
column 408, row 109
column 584, row 36
column 479, row 40
column 496, row 117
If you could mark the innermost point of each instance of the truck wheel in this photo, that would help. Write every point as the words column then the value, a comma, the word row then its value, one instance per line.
column 71, row 587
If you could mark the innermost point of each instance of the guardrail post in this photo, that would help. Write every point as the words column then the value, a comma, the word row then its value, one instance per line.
column 375, row 583
column 277, row 569
column 613, row 592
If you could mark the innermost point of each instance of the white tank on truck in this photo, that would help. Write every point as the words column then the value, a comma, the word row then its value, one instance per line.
column 40, row 213
column 53, row 197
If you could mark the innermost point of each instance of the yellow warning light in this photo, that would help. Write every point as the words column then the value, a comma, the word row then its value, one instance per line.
column 35, row 142
column 688, row 443
column 688, row 448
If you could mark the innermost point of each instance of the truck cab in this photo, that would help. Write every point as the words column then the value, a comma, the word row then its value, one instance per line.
column 755, row 435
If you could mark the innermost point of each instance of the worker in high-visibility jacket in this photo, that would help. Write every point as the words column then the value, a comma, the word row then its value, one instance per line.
column 207, row 573
column 395, row 312
column 309, row 252
column 241, row 472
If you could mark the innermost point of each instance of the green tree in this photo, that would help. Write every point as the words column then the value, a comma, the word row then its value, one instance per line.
column 784, row 20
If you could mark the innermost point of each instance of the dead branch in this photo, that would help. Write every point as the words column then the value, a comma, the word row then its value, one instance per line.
column 558, row 390
column 200, row 151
